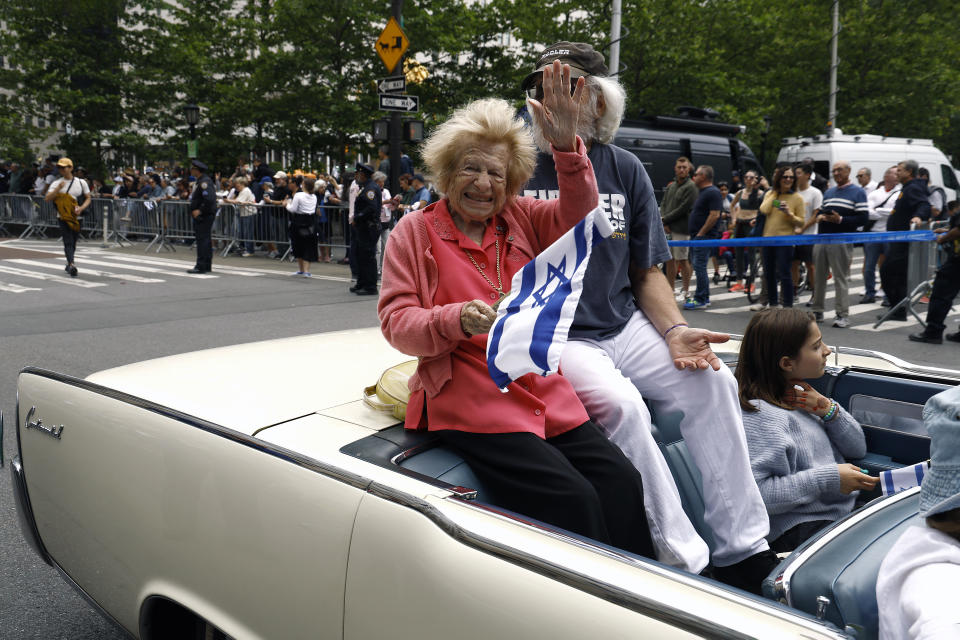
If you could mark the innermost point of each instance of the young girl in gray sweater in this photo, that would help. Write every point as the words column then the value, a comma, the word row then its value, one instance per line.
column 798, row 439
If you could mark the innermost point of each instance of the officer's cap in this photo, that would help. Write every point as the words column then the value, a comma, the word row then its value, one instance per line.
column 367, row 169
column 199, row 165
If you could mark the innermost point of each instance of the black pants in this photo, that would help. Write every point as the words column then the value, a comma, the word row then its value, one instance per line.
column 202, row 229
column 69, row 240
column 797, row 535
column 946, row 286
column 578, row 480
column 366, row 255
column 893, row 272
column 776, row 268
column 744, row 255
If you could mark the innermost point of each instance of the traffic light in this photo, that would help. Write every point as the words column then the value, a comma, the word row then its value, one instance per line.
column 412, row 130
column 381, row 130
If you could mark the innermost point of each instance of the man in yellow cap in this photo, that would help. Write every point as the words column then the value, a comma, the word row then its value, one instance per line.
column 66, row 193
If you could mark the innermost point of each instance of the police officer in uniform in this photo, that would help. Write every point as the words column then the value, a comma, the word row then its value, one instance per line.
column 203, row 208
column 366, row 224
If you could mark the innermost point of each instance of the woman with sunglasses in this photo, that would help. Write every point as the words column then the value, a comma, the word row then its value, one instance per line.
column 744, row 211
column 783, row 208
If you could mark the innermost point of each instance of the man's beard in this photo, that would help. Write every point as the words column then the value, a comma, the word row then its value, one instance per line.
column 586, row 126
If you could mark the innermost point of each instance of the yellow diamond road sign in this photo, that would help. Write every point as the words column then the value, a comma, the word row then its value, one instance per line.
column 392, row 44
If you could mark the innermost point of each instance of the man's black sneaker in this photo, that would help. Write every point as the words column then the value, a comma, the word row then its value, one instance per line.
column 953, row 337
column 72, row 270
column 749, row 573
column 926, row 337
column 868, row 299
column 366, row 292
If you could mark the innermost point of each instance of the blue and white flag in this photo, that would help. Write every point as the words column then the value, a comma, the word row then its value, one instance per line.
column 898, row 480
column 534, row 319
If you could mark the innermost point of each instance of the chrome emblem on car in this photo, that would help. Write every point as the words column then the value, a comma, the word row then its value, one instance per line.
column 53, row 432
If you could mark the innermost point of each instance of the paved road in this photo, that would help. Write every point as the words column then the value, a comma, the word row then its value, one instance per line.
column 128, row 306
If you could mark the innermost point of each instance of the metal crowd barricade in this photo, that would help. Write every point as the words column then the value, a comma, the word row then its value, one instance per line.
column 138, row 218
column 97, row 219
column 224, row 230
column 16, row 209
column 334, row 232
column 177, row 222
column 270, row 228
column 922, row 265
column 43, row 216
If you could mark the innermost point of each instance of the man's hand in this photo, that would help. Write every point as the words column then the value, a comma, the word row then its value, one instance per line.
column 690, row 348
column 195, row 213
column 915, row 220
column 476, row 317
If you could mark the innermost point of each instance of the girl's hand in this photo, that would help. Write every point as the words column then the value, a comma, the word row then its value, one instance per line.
column 806, row 398
column 852, row 479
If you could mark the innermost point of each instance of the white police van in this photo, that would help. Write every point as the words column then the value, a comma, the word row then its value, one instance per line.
column 874, row 152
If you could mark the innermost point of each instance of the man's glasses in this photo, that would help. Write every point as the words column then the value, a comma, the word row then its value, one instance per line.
column 536, row 91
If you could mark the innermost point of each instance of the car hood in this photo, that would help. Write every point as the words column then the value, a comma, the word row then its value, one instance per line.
column 250, row 386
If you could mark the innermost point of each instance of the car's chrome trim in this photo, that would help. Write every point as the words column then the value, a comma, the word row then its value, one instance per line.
column 611, row 593
column 1, row 438
column 830, row 534
column 648, row 607
column 28, row 526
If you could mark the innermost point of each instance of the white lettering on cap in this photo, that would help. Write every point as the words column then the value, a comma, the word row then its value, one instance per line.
column 556, row 52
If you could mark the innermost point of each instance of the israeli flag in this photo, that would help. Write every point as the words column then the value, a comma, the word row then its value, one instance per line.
column 534, row 319
column 898, row 480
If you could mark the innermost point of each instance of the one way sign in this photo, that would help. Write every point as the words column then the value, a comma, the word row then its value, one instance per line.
column 399, row 103
column 392, row 85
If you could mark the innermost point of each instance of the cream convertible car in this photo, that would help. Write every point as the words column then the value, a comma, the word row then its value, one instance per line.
column 193, row 496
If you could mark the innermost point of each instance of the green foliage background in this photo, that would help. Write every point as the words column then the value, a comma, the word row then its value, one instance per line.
column 299, row 74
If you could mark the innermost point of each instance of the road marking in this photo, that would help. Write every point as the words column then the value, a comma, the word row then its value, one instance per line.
column 9, row 287
column 45, row 276
column 136, row 267
column 233, row 271
column 104, row 274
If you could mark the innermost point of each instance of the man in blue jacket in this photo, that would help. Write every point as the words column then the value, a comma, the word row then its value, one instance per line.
column 912, row 207
column 844, row 209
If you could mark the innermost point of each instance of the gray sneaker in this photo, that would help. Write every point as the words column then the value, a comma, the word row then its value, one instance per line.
column 759, row 307
column 841, row 322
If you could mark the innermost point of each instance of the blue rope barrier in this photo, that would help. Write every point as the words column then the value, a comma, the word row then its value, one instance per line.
column 820, row 238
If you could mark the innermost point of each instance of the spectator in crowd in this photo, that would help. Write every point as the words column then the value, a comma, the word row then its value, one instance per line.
column 67, row 193
column 16, row 177
column 203, row 209
column 783, row 208
column 28, row 180
column 323, row 189
column 154, row 188
column 812, row 201
column 629, row 345
column 946, row 284
column 366, row 225
column 880, row 203
column 844, row 210
column 915, row 595
column 746, row 203
column 383, row 154
column 183, row 190
column 408, row 193
column 703, row 226
column 40, row 183
column 911, row 207
column 865, row 180
column 819, row 182
column 937, row 196
column 281, row 191
column 388, row 206
column 303, row 230
column 169, row 188
column 675, row 210
column 722, row 225
column 100, row 190
column 799, row 440
column 5, row 176
column 261, row 170
column 245, row 202
column 422, row 196
column 551, row 464
column 352, row 187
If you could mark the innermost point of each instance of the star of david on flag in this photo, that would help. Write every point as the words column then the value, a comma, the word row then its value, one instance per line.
column 534, row 319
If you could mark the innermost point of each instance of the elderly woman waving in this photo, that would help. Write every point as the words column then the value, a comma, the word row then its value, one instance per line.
column 445, row 267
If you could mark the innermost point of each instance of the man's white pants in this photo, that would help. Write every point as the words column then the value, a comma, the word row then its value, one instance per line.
column 612, row 377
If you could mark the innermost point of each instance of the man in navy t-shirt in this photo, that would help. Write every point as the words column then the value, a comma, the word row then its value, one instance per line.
column 703, row 226
column 629, row 342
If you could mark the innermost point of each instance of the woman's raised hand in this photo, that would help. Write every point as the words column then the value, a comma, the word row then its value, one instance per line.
column 559, row 112
column 806, row 398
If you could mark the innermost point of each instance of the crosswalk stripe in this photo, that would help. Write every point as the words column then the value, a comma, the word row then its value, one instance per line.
column 10, row 287
column 105, row 274
column 234, row 271
column 46, row 276
column 136, row 267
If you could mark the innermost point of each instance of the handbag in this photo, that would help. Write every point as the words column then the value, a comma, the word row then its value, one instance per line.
column 391, row 393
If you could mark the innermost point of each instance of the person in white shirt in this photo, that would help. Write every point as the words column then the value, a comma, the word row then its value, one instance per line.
column 880, row 203
column 916, row 586
column 66, row 193
column 241, row 196
column 812, row 201
column 865, row 180
column 303, row 230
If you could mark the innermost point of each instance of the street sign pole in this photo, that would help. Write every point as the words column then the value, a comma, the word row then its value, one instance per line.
column 396, row 130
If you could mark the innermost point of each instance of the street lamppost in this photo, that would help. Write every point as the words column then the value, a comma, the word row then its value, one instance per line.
column 763, row 142
column 192, row 113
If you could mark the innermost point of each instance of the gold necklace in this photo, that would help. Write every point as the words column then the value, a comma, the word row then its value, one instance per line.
column 499, row 286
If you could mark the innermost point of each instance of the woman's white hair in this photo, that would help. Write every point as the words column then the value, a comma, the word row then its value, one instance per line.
column 490, row 121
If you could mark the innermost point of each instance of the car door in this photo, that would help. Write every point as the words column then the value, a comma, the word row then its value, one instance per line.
column 134, row 501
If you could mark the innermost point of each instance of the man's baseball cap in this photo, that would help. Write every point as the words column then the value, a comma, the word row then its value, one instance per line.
column 279, row 174
column 418, row 177
column 579, row 55
column 65, row 162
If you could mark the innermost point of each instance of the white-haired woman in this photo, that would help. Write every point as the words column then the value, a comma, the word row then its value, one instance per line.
column 245, row 201
column 534, row 447
column 387, row 209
